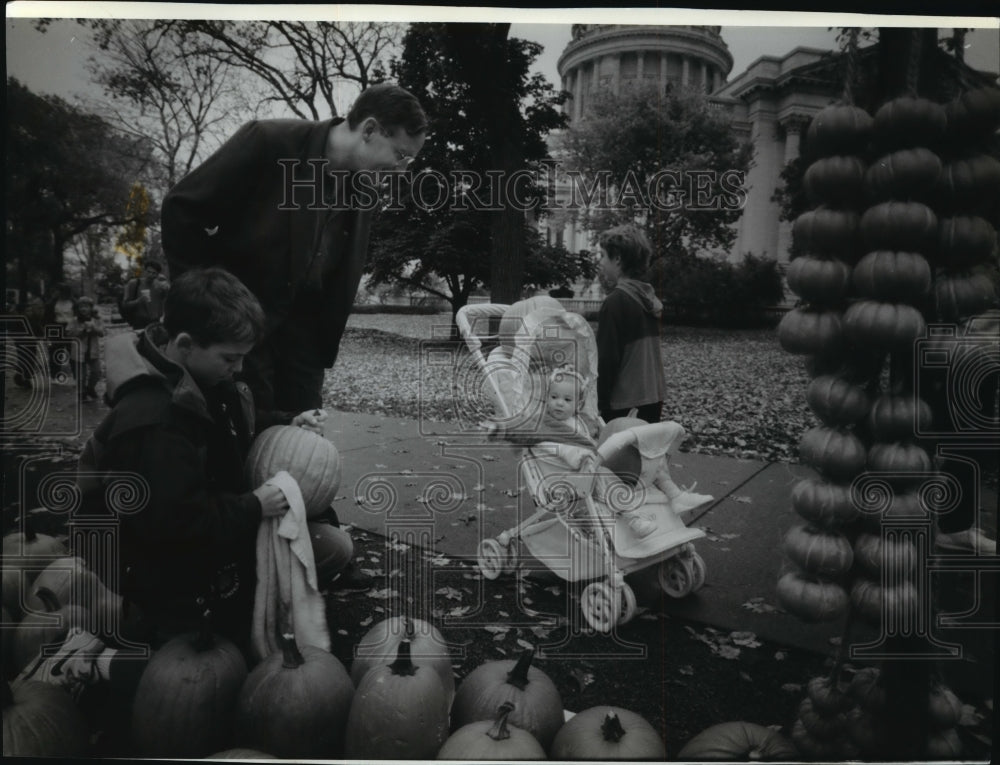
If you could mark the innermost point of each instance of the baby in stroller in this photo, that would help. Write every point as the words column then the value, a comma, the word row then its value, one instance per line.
column 551, row 407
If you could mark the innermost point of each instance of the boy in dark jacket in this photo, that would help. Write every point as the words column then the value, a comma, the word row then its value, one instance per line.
column 181, row 421
column 630, row 364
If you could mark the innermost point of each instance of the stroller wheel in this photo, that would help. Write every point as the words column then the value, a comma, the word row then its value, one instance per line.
column 603, row 606
column 491, row 557
column 677, row 576
column 698, row 566
column 628, row 604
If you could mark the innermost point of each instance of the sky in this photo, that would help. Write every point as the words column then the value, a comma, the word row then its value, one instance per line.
column 54, row 62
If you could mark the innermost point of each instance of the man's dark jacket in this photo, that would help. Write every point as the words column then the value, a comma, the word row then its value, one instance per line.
column 227, row 212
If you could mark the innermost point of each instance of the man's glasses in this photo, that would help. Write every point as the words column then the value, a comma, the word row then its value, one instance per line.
column 403, row 159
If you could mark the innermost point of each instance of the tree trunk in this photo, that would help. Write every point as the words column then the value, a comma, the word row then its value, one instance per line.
column 56, row 267
column 507, row 256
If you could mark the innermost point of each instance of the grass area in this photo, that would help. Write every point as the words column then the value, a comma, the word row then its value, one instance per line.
column 735, row 391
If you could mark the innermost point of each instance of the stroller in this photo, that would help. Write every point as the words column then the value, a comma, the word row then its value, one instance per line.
column 583, row 500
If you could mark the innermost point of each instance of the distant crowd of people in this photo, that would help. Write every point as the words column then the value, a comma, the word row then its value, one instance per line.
column 73, row 352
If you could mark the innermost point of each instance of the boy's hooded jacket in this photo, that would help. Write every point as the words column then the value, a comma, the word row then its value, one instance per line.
column 630, row 363
column 194, row 536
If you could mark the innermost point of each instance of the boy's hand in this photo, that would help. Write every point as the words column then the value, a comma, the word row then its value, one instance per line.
column 312, row 420
column 272, row 500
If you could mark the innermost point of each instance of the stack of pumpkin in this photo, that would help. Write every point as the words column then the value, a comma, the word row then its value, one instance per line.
column 819, row 551
column 893, row 279
column 968, row 198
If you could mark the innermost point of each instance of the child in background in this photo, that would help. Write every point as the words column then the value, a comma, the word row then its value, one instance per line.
column 87, row 327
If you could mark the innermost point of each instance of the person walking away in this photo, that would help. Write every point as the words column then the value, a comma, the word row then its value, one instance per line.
column 630, row 362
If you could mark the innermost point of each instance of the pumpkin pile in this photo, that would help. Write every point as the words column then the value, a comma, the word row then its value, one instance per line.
column 820, row 554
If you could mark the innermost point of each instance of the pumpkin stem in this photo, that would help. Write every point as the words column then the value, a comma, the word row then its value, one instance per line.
column 205, row 639
column 290, row 650
column 403, row 665
column 518, row 676
column 48, row 598
column 612, row 728
column 30, row 535
column 500, row 731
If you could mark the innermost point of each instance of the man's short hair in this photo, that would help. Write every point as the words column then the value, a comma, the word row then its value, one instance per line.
column 394, row 107
column 212, row 306
column 629, row 244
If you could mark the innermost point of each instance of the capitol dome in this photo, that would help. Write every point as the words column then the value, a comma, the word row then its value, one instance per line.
column 612, row 55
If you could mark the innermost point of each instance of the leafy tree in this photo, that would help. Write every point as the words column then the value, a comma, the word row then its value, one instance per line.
column 67, row 172
column 488, row 120
column 662, row 159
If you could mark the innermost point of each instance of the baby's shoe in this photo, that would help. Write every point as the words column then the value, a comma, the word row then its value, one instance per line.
column 688, row 500
column 640, row 524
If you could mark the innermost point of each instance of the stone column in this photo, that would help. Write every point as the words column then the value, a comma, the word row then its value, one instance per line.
column 595, row 72
column 616, row 74
column 663, row 70
column 703, row 84
column 685, row 70
column 639, row 65
column 577, row 93
column 793, row 125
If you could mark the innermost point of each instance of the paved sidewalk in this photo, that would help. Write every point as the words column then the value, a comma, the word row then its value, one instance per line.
column 450, row 489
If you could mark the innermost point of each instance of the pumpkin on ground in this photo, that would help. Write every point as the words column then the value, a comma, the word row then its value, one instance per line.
column 23, row 552
column 828, row 696
column 606, row 734
column 186, row 697
column 812, row 746
column 311, row 459
column 294, row 704
column 821, row 724
column 975, row 114
column 380, row 645
column 538, row 706
column 73, row 583
column 811, row 599
column 969, row 185
column 42, row 720
column 39, row 629
column 901, row 458
column 738, row 741
column 944, row 707
column 399, row 711
column 492, row 740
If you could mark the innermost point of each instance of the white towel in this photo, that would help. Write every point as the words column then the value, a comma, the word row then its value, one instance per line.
column 286, row 578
